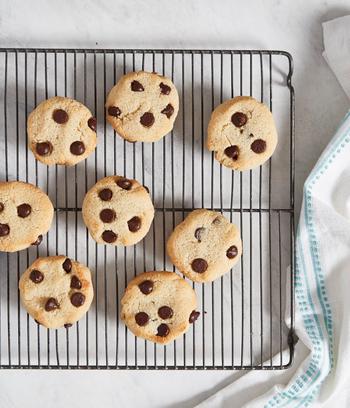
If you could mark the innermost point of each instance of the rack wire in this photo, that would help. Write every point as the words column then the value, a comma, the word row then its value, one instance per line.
column 247, row 316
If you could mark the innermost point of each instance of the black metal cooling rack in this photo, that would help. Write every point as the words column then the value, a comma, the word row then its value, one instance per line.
column 247, row 315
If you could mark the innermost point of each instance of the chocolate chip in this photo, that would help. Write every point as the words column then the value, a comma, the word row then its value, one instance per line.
column 147, row 119
column 141, row 318
column 258, row 146
column 92, row 123
column 43, row 148
column 193, row 316
column 199, row 234
column 164, row 89
column 51, row 304
column 134, row 224
column 68, row 325
column 136, row 86
column 109, row 236
column 163, row 330
column 232, row 152
column 24, row 210
column 107, row 215
column 146, row 287
column 38, row 241
column 105, row 194
column 239, row 119
column 168, row 110
column 114, row 111
column 124, row 183
column 232, row 252
column 75, row 282
column 77, row 299
column 60, row 116
column 4, row 230
column 199, row 265
column 2, row 207
column 77, row 148
column 36, row 276
column 217, row 221
column 67, row 265
column 251, row 135
column 165, row 312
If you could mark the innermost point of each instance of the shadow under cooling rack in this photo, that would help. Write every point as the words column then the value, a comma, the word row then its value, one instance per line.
column 247, row 316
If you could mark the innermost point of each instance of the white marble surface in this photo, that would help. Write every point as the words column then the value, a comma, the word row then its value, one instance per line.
column 320, row 104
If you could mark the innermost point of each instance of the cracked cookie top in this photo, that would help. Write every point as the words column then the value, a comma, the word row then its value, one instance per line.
column 242, row 133
column 61, row 131
column 142, row 106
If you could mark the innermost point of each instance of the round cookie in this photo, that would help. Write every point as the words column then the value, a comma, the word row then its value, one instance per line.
column 26, row 215
column 159, row 306
column 142, row 106
column 204, row 246
column 242, row 133
column 118, row 211
column 56, row 291
column 61, row 131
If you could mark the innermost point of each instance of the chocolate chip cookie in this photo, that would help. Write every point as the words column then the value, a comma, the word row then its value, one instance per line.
column 242, row 133
column 142, row 106
column 56, row 291
column 118, row 211
column 26, row 215
column 204, row 246
column 159, row 306
column 61, row 131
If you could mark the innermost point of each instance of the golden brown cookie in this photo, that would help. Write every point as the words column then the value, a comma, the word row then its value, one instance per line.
column 26, row 215
column 61, row 131
column 118, row 211
column 142, row 106
column 242, row 133
column 159, row 306
column 56, row 291
column 204, row 246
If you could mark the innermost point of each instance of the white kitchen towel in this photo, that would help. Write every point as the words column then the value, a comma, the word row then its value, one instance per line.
column 336, row 40
column 322, row 276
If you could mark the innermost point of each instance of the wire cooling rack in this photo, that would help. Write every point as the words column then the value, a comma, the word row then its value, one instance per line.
column 247, row 315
